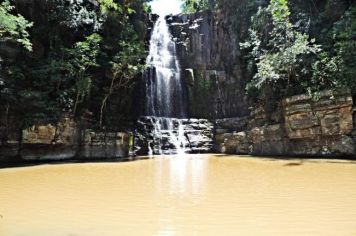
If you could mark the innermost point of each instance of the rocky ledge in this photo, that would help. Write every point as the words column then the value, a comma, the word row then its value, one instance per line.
column 158, row 135
column 305, row 127
column 66, row 140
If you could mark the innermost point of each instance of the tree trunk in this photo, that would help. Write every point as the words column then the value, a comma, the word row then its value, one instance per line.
column 103, row 104
column 6, row 135
column 76, row 103
column 20, row 139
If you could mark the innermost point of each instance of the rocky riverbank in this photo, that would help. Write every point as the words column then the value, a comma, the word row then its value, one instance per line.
column 300, row 127
column 66, row 140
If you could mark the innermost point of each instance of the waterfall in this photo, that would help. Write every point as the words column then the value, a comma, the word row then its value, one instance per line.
column 164, row 90
column 164, row 93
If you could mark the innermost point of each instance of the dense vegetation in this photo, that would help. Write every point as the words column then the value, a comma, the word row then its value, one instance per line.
column 292, row 47
column 78, row 58
column 191, row 6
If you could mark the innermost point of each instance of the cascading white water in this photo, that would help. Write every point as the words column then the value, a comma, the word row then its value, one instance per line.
column 164, row 90
column 163, row 81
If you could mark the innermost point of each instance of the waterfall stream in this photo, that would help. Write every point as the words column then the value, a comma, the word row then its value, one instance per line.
column 165, row 128
column 164, row 92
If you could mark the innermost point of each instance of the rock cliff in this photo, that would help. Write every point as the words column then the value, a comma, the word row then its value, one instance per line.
column 209, row 54
column 65, row 140
column 306, row 128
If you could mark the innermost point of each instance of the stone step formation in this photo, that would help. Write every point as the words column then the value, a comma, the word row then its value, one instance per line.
column 166, row 136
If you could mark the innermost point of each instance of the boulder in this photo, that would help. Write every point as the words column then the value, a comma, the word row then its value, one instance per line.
column 237, row 143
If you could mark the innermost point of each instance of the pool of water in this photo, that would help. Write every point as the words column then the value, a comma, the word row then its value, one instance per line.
column 190, row 195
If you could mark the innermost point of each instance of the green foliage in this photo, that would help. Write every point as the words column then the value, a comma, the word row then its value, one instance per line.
column 336, row 67
column 56, row 76
column 123, row 68
column 78, row 14
column 83, row 57
column 127, row 62
column 14, row 27
column 191, row 6
column 107, row 5
column 345, row 47
column 77, row 48
column 280, row 12
column 84, row 53
column 147, row 8
column 280, row 55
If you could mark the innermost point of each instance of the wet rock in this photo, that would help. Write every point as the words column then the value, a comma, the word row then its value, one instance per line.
column 157, row 135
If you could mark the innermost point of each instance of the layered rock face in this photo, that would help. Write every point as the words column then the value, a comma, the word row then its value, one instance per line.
column 208, row 50
column 157, row 135
column 64, row 141
column 304, row 128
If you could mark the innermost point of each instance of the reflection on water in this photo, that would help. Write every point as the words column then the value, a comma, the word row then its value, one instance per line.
column 191, row 195
column 186, row 176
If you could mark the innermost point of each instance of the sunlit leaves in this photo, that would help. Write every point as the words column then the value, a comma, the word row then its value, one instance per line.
column 191, row 6
column 280, row 11
column 280, row 55
column 14, row 27
column 82, row 57
column 107, row 5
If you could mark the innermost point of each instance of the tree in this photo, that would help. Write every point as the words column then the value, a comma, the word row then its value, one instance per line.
column 123, row 56
column 278, row 49
column 344, row 49
column 14, row 27
column 124, row 67
column 83, row 57
column 79, row 49
column 191, row 6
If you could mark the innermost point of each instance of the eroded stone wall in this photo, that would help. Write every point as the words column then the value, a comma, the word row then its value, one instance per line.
column 307, row 128
column 65, row 140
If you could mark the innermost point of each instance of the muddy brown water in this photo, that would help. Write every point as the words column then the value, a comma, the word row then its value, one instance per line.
column 190, row 195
